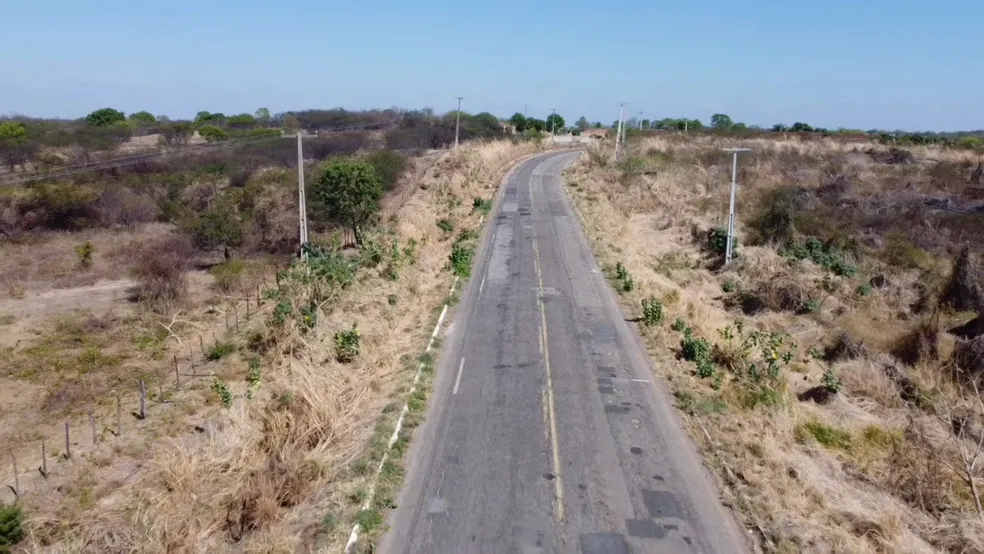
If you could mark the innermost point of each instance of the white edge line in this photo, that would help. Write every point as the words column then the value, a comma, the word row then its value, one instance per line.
column 640, row 380
column 481, row 286
column 457, row 381
column 354, row 535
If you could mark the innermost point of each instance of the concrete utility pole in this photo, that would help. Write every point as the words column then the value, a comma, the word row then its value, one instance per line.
column 457, row 121
column 301, row 201
column 730, row 248
column 553, row 124
column 526, row 109
column 640, row 118
column 618, row 130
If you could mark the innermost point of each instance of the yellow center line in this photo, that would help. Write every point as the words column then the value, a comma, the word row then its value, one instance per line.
column 551, row 411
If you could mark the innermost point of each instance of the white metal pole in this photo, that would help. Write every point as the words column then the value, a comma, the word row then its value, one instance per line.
column 301, row 202
column 618, row 130
column 729, row 250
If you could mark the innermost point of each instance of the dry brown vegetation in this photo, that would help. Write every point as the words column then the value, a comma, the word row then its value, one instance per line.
column 273, row 446
column 859, row 444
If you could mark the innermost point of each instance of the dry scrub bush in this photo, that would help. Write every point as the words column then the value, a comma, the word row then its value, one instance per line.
column 160, row 268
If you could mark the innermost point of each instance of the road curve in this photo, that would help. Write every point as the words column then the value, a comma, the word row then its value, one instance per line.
column 546, row 431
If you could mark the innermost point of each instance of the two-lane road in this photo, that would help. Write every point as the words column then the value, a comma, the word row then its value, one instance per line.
column 546, row 432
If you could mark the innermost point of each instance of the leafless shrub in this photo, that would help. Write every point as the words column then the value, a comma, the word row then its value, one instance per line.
column 844, row 348
column 779, row 295
column 921, row 343
column 160, row 270
column 964, row 291
column 118, row 206
column 969, row 356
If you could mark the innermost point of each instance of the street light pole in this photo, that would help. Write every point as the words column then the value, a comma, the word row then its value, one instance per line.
column 730, row 247
column 618, row 130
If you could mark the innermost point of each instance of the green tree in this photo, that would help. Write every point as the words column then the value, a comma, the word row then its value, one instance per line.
column 15, row 146
column 780, row 127
column 739, row 126
column 202, row 117
column 800, row 127
column 350, row 192
column 211, row 133
column 219, row 225
column 555, row 123
column 721, row 122
column 143, row 118
column 241, row 121
column 105, row 117
column 519, row 121
column 582, row 123
column 597, row 125
column 12, row 130
column 262, row 115
column 646, row 124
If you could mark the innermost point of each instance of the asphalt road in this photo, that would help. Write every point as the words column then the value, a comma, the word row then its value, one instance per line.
column 547, row 432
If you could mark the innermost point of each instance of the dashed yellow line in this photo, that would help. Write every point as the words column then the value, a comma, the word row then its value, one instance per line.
column 551, row 411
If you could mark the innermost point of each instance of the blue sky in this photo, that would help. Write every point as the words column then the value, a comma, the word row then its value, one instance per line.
column 862, row 63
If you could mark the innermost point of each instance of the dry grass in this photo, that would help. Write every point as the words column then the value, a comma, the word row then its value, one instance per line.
column 285, row 466
column 865, row 472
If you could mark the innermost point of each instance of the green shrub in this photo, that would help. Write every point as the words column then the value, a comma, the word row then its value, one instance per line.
column 828, row 436
column 729, row 287
column 652, row 311
column 717, row 242
column 462, row 252
column 391, row 299
column 228, row 274
column 900, row 252
column 831, row 381
column 864, row 289
column 678, row 325
column 694, row 348
column 445, row 225
column 220, row 350
column 626, row 284
column 211, row 133
column 825, row 256
column 347, row 344
column 84, row 253
column 369, row 519
column 389, row 166
column 223, row 392
column 481, row 205
column 10, row 526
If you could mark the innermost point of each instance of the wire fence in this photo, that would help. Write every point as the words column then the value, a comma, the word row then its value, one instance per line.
column 190, row 361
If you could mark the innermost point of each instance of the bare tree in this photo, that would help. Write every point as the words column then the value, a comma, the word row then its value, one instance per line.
column 961, row 414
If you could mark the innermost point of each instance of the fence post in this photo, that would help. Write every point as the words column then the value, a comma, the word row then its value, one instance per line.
column 235, row 310
column 13, row 460
column 247, row 305
column 44, row 460
column 177, row 376
column 160, row 389
column 201, row 344
column 68, row 443
column 92, row 424
column 119, row 412
column 143, row 400
column 227, row 320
